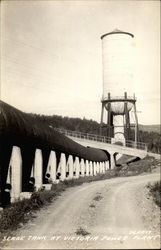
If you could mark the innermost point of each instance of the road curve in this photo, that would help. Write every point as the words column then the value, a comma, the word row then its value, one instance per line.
column 112, row 214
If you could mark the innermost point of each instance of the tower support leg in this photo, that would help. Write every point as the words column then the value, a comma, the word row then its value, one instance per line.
column 102, row 114
column 127, row 123
column 136, row 125
column 127, row 119
column 109, row 121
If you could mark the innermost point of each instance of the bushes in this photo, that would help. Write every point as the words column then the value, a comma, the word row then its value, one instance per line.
column 14, row 214
column 21, row 211
column 142, row 166
column 137, row 167
column 155, row 191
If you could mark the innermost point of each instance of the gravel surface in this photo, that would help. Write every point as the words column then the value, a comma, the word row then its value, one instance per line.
column 117, row 213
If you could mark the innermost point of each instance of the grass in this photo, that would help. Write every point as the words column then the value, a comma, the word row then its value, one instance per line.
column 155, row 191
column 21, row 211
column 137, row 167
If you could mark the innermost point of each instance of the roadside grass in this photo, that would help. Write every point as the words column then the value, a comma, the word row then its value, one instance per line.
column 145, row 165
column 21, row 211
column 155, row 192
column 18, row 213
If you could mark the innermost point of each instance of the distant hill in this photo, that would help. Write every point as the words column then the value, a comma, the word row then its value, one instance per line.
column 150, row 128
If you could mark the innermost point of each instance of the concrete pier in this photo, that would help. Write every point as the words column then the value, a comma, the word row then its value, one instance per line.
column 82, row 167
column 112, row 165
column 16, row 170
column 70, row 166
column 91, row 168
column 77, row 166
column 62, row 167
column 94, row 168
column 97, row 167
column 52, row 165
column 101, row 168
column 38, row 163
column 87, row 168
column 106, row 165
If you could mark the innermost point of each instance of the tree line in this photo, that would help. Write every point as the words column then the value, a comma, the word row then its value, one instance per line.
column 152, row 139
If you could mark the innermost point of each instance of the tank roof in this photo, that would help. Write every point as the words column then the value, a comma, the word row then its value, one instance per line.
column 117, row 31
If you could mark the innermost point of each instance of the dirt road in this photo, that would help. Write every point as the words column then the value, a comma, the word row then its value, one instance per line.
column 108, row 214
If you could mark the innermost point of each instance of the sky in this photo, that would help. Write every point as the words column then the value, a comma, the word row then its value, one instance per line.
column 51, row 55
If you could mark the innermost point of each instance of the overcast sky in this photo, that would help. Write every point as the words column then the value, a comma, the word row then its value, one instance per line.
column 51, row 55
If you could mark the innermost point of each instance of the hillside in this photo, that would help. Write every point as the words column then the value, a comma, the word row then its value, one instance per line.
column 85, row 125
column 150, row 128
column 148, row 134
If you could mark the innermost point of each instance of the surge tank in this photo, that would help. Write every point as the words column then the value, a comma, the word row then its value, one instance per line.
column 117, row 68
column 118, row 92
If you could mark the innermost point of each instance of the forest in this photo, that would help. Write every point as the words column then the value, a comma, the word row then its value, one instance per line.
column 152, row 139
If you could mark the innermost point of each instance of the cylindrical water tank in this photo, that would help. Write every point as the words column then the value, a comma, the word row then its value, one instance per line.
column 117, row 68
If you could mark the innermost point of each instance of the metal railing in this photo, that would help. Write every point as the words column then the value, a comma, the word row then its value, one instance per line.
column 104, row 139
column 118, row 97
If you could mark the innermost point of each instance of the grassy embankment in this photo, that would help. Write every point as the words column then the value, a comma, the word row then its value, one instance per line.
column 21, row 211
